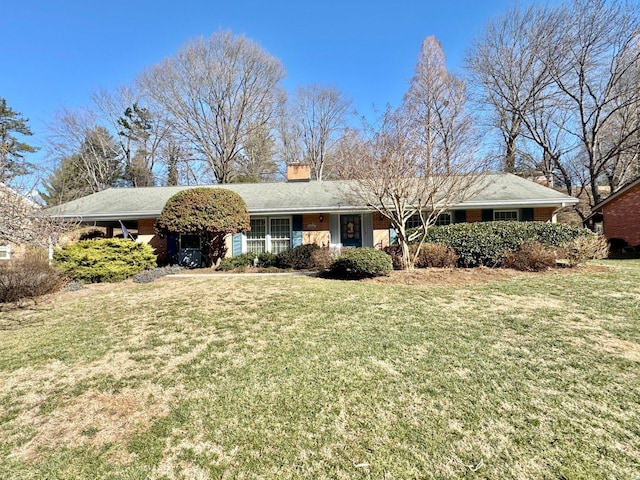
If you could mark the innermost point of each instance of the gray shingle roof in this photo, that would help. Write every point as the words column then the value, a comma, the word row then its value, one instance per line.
column 498, row 190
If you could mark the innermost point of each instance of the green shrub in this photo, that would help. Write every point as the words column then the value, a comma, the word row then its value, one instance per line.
column 298, row 258
column 28, row 279
column 532, row 256
column 104, row 260
column 486, row 243
column 361, row 263
column 436, row 255
column 587, row 247
column 265, row 260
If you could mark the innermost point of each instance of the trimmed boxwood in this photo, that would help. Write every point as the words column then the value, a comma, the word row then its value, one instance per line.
column 486, row 243
column 361, row 263
column 104, row 260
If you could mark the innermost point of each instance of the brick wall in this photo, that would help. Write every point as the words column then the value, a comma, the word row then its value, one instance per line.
column 622, row 217
column 147, row 234
column 474, row 216
column 543, row 214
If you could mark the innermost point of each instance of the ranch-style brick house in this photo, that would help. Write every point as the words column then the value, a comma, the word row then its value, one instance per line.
column 287, row 214
column 618, row 215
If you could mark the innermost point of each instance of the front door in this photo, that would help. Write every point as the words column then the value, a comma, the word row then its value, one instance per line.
column 350, row 230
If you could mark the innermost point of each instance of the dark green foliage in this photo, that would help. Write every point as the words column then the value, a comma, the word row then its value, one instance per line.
column 12, row 150
column 135, row 128
column 265, row 260
column 532, row 256
column 486, row 243
column 359, row 263
column 298, row 258
column 202, row 209
column 211, row 212
column 66, row 183
column 104, row 260
column 28, row 278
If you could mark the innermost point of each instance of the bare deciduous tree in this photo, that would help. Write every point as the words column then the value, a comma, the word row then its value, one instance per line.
column 599, row 45
column 143, row 133
column 314, row 120
column 391, row 179
column 436, row 109
column 217, row 92
column 421, row 159
column 506, row 67
column 75, row 134
column 566, row 81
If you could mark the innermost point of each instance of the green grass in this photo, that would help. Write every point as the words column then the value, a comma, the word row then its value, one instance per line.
column 536, row 376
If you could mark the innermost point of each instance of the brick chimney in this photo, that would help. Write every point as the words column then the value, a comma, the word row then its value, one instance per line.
column 298, row 172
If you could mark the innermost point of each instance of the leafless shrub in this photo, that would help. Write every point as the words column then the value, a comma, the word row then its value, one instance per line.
column 324, row 257
column 28, row 279
column 531, row 257
column 436, row 255
column 586, row 247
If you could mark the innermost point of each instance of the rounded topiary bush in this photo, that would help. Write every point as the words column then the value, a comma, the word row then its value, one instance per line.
column 361, row 263
column 104, row 260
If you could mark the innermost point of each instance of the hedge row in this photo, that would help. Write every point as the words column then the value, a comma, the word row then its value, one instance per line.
column 487, row 243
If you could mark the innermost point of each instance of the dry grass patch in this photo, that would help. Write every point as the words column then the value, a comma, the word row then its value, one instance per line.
column 509, row 375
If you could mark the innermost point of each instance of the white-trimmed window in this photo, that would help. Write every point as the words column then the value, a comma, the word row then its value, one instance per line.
column 5, row 252
column 505, row 215
column 280, row 234
column 257, row 237
column 269, row 235
column 443, row 219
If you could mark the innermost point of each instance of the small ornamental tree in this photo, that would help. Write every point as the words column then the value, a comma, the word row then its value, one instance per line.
column 212, row 213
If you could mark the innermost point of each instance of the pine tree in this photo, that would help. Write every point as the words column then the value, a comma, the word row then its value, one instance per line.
column 12, row 150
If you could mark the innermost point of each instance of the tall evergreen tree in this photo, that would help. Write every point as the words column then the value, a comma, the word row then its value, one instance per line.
column 12, row 150
column 65, row 183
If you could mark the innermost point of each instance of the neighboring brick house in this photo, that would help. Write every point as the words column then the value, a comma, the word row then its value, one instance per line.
column 618, row 215
column 287, row 214
column 14, row 220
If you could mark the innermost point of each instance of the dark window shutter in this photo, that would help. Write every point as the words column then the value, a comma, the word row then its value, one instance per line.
column 487, row 215
column 527, row 214
column 296, row 227
column 459, row 216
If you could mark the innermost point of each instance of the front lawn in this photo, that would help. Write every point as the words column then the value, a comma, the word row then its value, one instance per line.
column 518, row 376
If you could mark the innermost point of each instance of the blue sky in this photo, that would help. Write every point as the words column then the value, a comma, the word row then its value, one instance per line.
column 55, row 53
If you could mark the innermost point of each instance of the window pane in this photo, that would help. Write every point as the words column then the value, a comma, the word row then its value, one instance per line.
column 443, row 219
column 414, row 221
column 505, row 215
column 280, row 234
column 258, row 229
column 189, row 241
column 255, row 246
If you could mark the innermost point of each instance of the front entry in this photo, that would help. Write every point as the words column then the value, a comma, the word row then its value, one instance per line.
column 350, row 230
